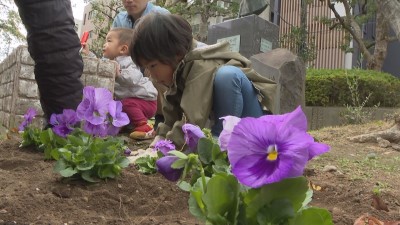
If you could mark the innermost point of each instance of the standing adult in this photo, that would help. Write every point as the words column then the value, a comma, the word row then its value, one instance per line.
column 134, row 10
column 54, row 46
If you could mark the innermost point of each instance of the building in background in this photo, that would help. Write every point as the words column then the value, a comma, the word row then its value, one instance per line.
column 87, row 24
column 78, row 26
column 328, row 42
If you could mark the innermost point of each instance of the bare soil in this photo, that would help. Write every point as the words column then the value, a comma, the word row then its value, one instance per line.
column 344, row 181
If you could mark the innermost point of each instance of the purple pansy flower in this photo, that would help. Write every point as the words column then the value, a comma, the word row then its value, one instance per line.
column 270, row 148
column 95, row 130
column 127, row 152
column 164, row 146
column 164, row 167
column 192, row 135
column 28, row 117
column 118, row 118
column 94, row 106
column 63, row 124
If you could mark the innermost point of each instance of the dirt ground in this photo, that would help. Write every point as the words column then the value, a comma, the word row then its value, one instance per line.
column 344, row 181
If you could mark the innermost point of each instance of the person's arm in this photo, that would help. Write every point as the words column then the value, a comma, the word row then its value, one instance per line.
column 194, row 106
column 129, row 74
column 54, row 46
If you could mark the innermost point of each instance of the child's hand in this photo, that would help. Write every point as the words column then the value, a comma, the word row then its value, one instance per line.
column 85, row 49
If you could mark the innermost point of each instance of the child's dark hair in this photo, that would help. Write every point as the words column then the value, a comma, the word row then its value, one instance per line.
column 161, row 37
column 125, row 35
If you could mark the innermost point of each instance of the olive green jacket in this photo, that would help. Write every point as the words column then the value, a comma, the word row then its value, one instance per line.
column 190, row 97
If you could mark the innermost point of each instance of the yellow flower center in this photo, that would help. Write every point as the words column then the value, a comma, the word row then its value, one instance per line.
column 272, row 152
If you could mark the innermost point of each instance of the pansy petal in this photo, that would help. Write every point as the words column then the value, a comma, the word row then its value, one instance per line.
column 96, row 130
column 250, row 136
column 28, row 117
column 192, row 134
column 164, row 167
column 119, row 118
column 257, row 171
column 297, row 119
column 53, row 119
column 228, row 123
column 316, row 149
column 164, row 146
column 112, row 130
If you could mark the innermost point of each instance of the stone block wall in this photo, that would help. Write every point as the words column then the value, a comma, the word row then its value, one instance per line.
column 18, row 88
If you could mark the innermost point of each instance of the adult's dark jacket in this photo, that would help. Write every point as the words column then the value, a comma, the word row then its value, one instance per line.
column 54, row 46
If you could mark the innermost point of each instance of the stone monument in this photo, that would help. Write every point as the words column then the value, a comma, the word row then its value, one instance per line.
column 247, row 35
column 289, row 72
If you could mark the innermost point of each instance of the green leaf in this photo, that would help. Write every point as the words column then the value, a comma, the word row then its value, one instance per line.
column 178, row 154
column 313, row 216
column 178, row 164
column 87, row 175
column 205, row 148
column 59, row 166
column 85, row 165
column 146, row 165
column 293, row 189
column 46, row 137
column 195, row 201
column 55, row 154
column 278, row 212
column 308, row 198
column 76, row 141
column 185, row 186
column 123, row 162
column 221, row 198
column 217, row 154
column 195, row 209
column 68, row 172
column 106, row 171
column 65, row 153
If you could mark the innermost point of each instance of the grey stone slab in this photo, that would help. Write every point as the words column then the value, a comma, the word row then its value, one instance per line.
column 289, row 71
column 256, row 34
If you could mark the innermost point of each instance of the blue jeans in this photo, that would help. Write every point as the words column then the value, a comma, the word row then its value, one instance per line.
column 234, row 95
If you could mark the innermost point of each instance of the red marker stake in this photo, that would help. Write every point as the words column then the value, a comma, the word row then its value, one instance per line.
column 84, row 38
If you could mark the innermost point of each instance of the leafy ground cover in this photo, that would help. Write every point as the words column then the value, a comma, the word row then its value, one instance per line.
column 345, row 181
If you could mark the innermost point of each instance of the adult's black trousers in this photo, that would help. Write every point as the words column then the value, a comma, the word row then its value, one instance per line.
column 54, row 46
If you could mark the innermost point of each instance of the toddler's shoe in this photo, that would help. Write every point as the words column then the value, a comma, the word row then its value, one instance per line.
column 141, row 135
column 143, row 132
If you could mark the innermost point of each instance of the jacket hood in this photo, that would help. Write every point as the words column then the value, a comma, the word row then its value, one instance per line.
column 215, row 51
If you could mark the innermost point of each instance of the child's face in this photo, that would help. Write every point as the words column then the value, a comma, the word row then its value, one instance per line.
column 160, row 72
column 112, row 48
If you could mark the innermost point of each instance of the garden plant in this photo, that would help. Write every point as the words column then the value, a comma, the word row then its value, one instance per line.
column 83, row 142
column 251, row 174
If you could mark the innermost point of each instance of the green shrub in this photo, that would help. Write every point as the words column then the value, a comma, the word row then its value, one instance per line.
column 326, row 87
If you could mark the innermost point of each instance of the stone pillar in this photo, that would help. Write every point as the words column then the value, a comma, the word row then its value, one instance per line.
column 18, row 88
column 289, row 71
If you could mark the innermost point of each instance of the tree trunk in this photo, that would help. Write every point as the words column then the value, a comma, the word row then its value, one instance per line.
column 391, row 9
column 203, row 29
column 381, row 42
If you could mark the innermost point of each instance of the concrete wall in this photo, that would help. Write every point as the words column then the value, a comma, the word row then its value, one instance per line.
column 18, row 88
column 319, row 117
